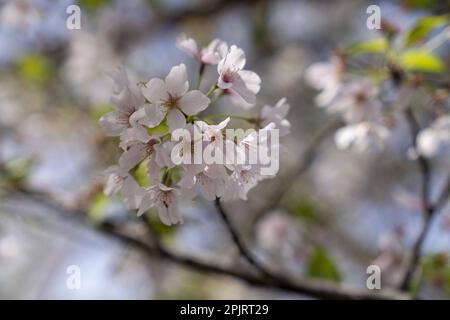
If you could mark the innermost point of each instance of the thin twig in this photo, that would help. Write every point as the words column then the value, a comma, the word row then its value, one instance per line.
column 427, row 208
column 245, row 253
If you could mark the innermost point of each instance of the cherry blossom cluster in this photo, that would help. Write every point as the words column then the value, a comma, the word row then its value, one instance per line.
column 372, row 107
column 356, row 99
column 162, row 121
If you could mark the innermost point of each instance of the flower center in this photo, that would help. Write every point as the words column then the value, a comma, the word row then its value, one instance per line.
column 172, row 102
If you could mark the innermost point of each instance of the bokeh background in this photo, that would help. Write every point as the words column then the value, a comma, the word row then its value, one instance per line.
column 330, row 221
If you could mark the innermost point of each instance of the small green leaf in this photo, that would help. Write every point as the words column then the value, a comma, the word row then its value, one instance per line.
column 305, row 210
column 34, row 68
column 159, row 130
column 100, row 110
column 140, row 174
column 379, row 45
column 321, row 266
column 97, row 207
column 423, row 27
column 420, row 60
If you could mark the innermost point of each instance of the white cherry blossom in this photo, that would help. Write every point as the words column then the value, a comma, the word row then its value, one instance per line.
column 171, row 97
column 166, row 200
column 435, row 140
column 327, row 77
column 118, row 179
column 276, row 115
column 362, row 137
column 210, row 54
column 246, row 84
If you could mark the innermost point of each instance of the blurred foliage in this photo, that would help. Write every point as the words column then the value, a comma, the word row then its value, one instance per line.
column 140, row 174
column 92, row 4
column 96, row 209
column 14, row 173
column 379, row 45
column 423, row 27
column 420, row 60
column 305, row 210
column 436, row 269
column 98, row 111
column 322, row 266
column 35, row 69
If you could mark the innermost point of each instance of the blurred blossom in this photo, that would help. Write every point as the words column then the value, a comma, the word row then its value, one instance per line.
column 281, row 237
column 31, row 25
column 90, row 59
column 435, row 140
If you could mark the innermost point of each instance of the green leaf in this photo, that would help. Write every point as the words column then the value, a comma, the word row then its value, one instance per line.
column 305, row 210
column 420, row 60
column 97, row 207
column 379, row 45
column 140, row 174
column 321, row 266
column 34, row 68
column 159, row 130
column 423, row 27
column 420, row 4
column 100, row 110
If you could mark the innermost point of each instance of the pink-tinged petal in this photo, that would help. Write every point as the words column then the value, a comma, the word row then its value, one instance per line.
column 174, row 212
column 222, row 124
column 241, row 89
column 175, row 119
column 163, row 214
column 251, row 79
column 187, row 181
column 114, row 180
column 282, row 108
column 120, row 78
column 155, row 114
column 234, row 60
column 130, row 158
column 155, row 91
column 132, row 193
column 193, row 102
column 133, row 134
column 176, row 81
column 189, row 46
column 114, row 123
column 147, row 202
column 214, row 52
column 225, row 80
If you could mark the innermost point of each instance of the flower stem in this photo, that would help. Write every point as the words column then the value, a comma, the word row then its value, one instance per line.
column 213, row 88
column 200, row 75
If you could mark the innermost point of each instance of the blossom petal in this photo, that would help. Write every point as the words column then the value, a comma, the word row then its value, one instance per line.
column 251, row 79
column 175, row 119
column 234, row 60
column 240, row 88
column 189, row 46
column 155, row 114
column 176, row 81
column 155, row 91
column 193, row 102
column 113, row 123
column 130, row 158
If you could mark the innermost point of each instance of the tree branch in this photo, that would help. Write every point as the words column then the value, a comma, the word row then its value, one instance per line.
column 245, row 253
column 313, row 288
column 427, row 209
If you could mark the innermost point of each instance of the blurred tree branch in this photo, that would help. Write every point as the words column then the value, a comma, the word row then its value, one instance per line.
column 428, row 209
column 313, row 288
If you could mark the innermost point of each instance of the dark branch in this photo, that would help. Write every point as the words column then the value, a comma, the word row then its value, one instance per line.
column 313, row 288
column 427, row 209
column 244, row 252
